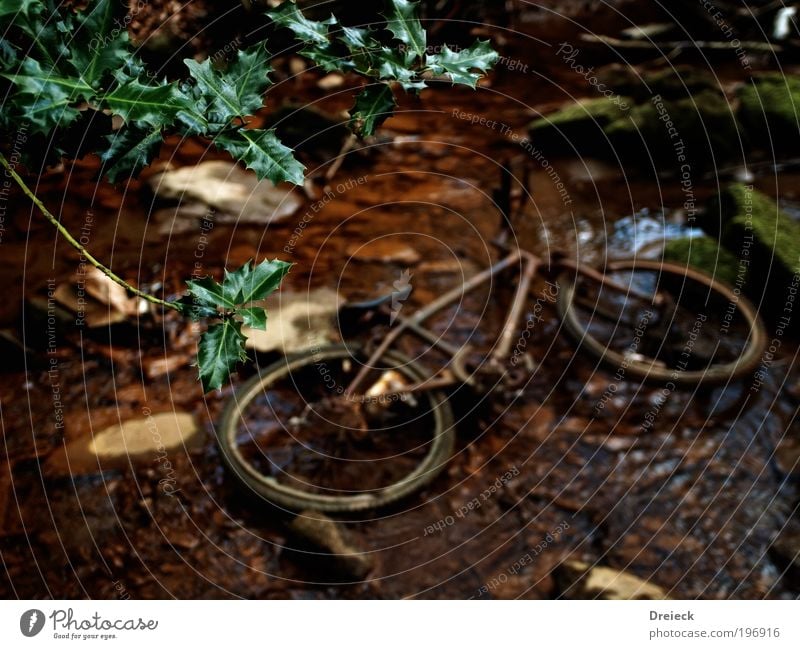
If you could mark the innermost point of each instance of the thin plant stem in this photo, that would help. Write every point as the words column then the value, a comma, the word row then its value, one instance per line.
column 77, row 245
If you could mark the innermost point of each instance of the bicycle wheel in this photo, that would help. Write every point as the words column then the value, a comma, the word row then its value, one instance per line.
column 293, row 436
column 702, row 332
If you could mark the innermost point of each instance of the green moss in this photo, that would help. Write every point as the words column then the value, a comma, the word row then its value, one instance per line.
column 598, row 112
column 770, row 109
column 706, row 254
column 748, row 215
column 670, row 83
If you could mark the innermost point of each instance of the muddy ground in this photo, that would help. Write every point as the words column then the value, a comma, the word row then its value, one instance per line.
column 693, row 505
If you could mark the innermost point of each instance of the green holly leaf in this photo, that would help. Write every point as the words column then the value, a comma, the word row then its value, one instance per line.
column 207, row 291
column 309, row 31
column 235, row 92
column 459, row 65
column 107, row 42
column 403, row 21
column 152, row 105
column 254, row 317
column 395, row 66
column 358, row 39
column 374, row 104
column 263, row 279
column 24, row 7
column 220, row 349
column 45, row 99
column 233, row 284
column 193, row 308
column 328, row 57
column 130, row 149
column 262, row 152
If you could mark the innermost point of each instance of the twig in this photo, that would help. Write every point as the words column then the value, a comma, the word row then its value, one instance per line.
column 671, row 45
column 77, row 245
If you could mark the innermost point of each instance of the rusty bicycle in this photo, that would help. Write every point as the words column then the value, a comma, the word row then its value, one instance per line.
column 351, row 427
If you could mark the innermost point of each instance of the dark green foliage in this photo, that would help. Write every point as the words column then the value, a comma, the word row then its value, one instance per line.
column 59, row 65
column 231, row 303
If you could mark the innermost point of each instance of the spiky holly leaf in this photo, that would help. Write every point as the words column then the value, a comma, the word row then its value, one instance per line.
column 254, row 317
column 45, row 99
column 130, row 150
column 193, row 308
column 374, row 104
column 328, row 57
column 235, row 92
column 233, row 284
column 209, row 292
column 24, row 7
column 403, row 21
column 220, row 349
column 107, row 42
column 263, row 279
column 459, row 65
column 358, row 39
column 156, row 106
column 262, row 152
column 396, row 66
column 309, row 31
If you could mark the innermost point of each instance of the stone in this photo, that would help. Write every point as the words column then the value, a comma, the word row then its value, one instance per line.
column 97, row 299
column 768, row 110
column 297, row 321
column 332, row 537
column 115, row 446
column 227, row 188
column 579, row 580
column 386, row 250
column 630, row 125
column 745, row 211
column 706, row 254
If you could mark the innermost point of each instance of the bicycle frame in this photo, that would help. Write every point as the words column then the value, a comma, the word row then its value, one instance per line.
column 457, row 373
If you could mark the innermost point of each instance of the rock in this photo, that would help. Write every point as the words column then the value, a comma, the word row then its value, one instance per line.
column 705, row 253
column 785, row 552
column 386, row 250
column 332, row 537
column 97, row 300
column 579, row 580
column 631, row 124
column 115, row 446
column 746, row 211
column 227, row 188
column 331, row 81
column 297, row 321
column 161, row 365
column 753, row 227
column 768, row 110
column 581, row 122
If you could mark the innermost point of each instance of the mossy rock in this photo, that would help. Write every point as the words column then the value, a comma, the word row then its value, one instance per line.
column 759, row 233
column 705, row 253
column 748, row 215
column 580, row 124
column 670, row 83
column 770, row 110
column 704, row 122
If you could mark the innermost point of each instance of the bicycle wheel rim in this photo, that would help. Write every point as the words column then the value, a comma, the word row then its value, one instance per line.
column 714, row 374
column 443, row 438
